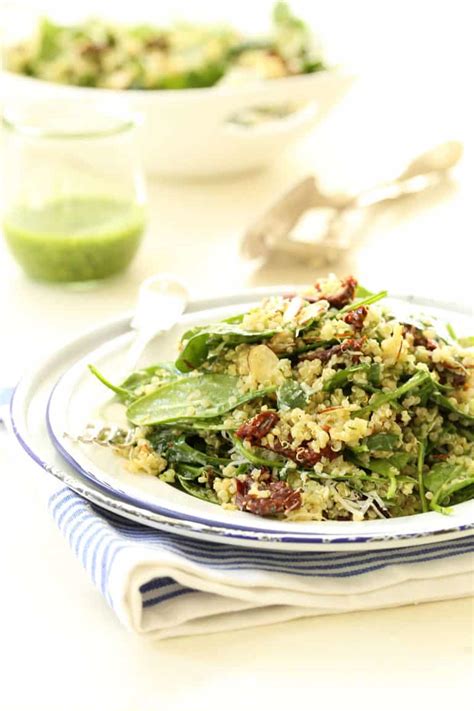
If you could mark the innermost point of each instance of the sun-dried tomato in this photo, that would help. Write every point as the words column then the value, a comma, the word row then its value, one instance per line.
column 258, row 426
column 278, row 497
column 325, row 354
column 345, row 295
column 419, row 339
column 452, row 375
column 303, row 455
column 356, row 317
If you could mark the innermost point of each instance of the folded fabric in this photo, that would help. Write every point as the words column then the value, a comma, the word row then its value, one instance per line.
column 166, row 585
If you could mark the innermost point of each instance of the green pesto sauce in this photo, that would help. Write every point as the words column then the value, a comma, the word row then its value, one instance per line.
column 76, row 238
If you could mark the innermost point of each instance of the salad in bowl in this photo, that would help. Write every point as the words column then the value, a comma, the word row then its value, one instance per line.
column 213, row 99
column 97, row 53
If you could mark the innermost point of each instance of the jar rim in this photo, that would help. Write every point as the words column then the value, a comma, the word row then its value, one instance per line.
column 119, row 122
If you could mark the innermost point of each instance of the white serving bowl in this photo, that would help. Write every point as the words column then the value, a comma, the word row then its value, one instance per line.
column 190, row 132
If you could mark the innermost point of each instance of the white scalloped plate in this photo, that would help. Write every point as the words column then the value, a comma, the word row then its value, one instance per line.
column 62, row 396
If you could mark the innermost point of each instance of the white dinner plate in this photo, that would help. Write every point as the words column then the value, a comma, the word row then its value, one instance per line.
column 61, row 396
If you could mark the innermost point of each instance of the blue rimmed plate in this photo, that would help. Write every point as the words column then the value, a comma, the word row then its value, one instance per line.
column 60, row 397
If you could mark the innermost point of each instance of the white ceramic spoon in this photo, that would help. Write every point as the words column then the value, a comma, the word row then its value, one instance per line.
column 161, row 301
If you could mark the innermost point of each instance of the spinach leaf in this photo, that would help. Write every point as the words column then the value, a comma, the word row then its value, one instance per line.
column 467, row 342
column 207, row 395
column 200, row 492
column 342, row 377
column 366, row 301
column 446, row 404
column 198, row 341
column 255, row 456
column 176, row 449
column 125, row 391
column 165, row 371
column 415, row 381
column 122, row 393
column 445, row 479
column 290, row 394
column 382, row 442
column 212, row 424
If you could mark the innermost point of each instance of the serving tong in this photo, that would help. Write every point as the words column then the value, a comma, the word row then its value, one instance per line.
column 273, row 231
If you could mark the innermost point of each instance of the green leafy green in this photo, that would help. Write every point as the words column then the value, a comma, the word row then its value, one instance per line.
column 383, row 398
column 375, row 374
column 446, row 404
column 362, row 293
column 254, row 455
column 198, row 342
column 419, row 469
column 382, row 442
column 200, row 492
column 342, row 377
column 123, row 393
column 207, row 395
column 175, row 449
column 467, row 342
column 290, row 394
column 445, row 479
column 366, row 301
column 144, row 376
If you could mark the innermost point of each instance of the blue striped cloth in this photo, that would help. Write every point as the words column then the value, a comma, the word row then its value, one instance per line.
column 166, row 585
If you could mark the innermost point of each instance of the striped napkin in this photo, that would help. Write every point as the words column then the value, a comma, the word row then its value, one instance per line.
column 165, row 585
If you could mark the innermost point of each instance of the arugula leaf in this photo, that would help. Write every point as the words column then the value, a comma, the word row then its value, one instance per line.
column 382, row 442
column 445, row 479
column 341, row 378
column 198, row 341
column 415, row 381
column 290, row 394
column 446, row 404
column 366, row 301
column 209, row 395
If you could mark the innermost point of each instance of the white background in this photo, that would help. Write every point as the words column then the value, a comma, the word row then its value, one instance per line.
column 62, row 647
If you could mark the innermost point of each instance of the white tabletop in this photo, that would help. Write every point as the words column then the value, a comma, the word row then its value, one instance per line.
column 62, row 646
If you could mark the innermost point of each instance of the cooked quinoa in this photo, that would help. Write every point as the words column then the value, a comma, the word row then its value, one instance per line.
column 313, row 406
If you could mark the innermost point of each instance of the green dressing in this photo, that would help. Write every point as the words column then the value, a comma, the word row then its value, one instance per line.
column 75, row 238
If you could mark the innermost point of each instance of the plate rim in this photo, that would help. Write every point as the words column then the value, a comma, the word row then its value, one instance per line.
column 197, row 525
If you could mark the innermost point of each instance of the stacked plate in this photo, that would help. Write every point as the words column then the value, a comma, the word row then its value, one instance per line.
column 58, row 399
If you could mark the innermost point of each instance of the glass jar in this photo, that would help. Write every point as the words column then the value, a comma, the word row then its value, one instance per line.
column 74, row 193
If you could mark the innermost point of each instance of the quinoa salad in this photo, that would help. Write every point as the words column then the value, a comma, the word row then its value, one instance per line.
column 314, row 406
column 97, row 53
